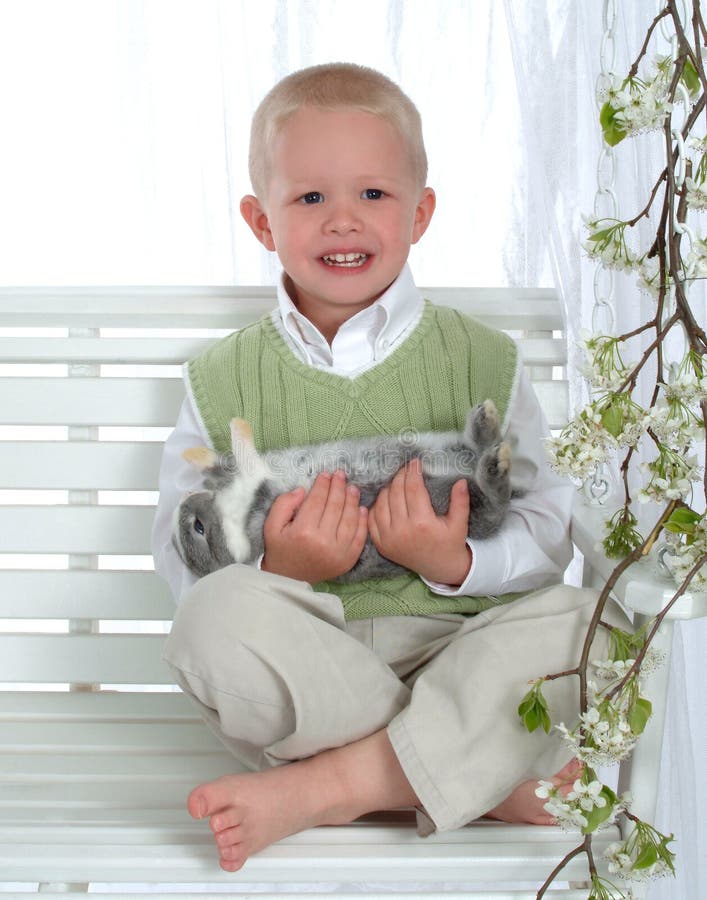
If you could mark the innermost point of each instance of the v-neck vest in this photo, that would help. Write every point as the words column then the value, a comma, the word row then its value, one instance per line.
column 447, row 364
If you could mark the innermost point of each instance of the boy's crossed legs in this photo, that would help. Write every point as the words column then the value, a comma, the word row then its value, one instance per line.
column 271, row 666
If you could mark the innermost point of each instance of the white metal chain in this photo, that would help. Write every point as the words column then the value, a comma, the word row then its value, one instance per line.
column 606, row 206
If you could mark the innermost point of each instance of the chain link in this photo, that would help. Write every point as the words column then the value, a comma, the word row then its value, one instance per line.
column 606, row 206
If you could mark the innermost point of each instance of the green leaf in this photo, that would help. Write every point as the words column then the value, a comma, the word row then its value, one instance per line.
column 533, row 710
column 647, row 857
column 613, row 134
column 532, row 719
column 689, row 77
column 683, row 521
column 612, row 418
column 639, row 715
column 596, row 817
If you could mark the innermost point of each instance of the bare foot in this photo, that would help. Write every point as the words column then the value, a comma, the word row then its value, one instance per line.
column 523, row 807
column 250, row 812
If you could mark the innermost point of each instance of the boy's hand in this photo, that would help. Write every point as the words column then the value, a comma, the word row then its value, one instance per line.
column 316, row 536
column 405, row 528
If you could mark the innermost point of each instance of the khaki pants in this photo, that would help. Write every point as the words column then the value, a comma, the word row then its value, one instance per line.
column 279, row 675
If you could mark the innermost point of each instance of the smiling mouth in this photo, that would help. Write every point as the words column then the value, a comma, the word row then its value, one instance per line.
column 345, row 260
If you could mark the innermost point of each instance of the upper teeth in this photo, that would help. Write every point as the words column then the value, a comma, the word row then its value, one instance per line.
column 338, row 258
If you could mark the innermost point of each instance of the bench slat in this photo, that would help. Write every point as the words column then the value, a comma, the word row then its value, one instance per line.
column 175, row 350
column 84, row 595
column 104, row 465
column 134, row 350
column 104, row 658
column 106, row 706
column 322, row 855
column 234, row 307
column 143, row 401
column 106, row 737
column 67, row 768
column 90, row 401
column 78, row 529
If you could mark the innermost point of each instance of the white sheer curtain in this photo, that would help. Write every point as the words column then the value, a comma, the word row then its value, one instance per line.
column 556, row 58
column 123, row 158
column 126, row 128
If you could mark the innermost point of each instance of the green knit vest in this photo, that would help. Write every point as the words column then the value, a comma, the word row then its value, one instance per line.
column 449, row 363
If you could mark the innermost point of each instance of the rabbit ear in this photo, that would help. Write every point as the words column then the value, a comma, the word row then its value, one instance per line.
column 242, row 444
column 241, row 433
column 201, row 457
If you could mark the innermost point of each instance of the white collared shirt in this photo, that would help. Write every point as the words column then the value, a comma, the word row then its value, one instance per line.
column 363, row 340
column 532, row 548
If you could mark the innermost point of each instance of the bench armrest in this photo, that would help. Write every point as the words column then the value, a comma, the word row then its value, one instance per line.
column 643, row 588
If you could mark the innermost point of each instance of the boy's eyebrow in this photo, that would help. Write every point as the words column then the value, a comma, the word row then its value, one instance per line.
column 367, row 178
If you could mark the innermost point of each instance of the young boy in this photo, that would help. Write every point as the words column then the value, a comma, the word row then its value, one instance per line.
column 395, row 692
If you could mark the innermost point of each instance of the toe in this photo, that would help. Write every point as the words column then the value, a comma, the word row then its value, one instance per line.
column 229, row 837
column 223, row 820
column 231, row 859
column 209, row 799
column 197, row 804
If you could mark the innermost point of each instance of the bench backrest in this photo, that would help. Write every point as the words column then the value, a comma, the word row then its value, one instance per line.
column 89, row 389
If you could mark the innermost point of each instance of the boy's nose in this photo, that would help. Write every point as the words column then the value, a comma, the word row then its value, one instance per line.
column 342, row 220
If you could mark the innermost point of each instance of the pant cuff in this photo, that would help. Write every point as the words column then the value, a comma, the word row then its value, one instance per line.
column 434, row 814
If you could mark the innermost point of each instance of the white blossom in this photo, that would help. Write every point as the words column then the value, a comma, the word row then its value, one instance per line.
column 696, row 260
column 622, row 863
column 695, row 194
column 605, row 742
column 683, row 557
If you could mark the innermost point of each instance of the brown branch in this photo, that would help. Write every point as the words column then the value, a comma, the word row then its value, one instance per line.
column 657, row 622
column 582, row 848
column 647, row 208
column 644, row 49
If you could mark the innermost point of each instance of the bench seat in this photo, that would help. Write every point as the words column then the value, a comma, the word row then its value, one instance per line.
column 98, row 751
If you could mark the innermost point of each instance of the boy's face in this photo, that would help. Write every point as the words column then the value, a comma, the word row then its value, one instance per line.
column 342, row 209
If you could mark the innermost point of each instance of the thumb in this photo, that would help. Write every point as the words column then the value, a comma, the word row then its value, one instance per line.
column 459, row 502
column 284, row 508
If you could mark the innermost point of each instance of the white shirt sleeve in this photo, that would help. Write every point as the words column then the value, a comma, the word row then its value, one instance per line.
column 533, row 546
column 177, row 477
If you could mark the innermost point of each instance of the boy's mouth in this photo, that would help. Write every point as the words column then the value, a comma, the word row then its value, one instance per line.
column 345, row 260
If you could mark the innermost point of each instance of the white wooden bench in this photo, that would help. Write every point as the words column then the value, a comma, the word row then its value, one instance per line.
column 97, row 752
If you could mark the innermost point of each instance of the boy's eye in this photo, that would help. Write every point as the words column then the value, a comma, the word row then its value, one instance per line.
column 312, row 197
column 372, row 194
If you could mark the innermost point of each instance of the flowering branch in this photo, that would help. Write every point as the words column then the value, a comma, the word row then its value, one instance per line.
column 666, row 430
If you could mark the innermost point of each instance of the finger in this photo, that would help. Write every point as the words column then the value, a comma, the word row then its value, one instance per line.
column 417, row 496
column 315, row 501
column 459, row 504
column 283, row 509
column 379, row 513
column 349, row 520
column 397, row 500
column 335, row 503
column 359, row 539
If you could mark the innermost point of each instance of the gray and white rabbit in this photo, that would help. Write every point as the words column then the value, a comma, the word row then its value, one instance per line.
column 223, row 523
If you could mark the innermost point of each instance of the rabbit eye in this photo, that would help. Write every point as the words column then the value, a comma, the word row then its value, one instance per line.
column 198, row 526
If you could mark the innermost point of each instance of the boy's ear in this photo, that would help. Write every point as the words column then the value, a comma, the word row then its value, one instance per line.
column 423, row 213
column 257, row 220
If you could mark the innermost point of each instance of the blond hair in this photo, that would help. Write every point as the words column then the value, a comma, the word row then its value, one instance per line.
column 334, row 86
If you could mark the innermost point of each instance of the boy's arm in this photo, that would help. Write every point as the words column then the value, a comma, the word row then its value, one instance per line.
column 532, row 548
column 177, row 476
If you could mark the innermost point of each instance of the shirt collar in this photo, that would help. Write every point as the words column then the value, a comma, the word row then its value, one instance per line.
column 385, row 321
